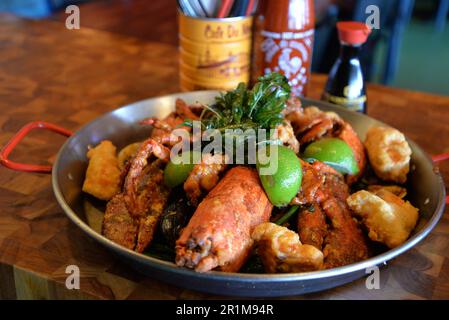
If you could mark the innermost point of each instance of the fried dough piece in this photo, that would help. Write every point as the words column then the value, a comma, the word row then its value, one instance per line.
column 219, row 233
column 103, row 173
column 389, row 219
column 389, row 153
column 281, row 250
column 396, row 190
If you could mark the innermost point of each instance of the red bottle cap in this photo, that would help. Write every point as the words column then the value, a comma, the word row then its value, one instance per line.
column 353, row 32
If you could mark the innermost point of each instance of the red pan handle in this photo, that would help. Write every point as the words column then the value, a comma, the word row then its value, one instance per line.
column 9, row 147
column 438, row 158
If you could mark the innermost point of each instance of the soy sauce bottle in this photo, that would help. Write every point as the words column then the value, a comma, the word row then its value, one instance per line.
column 345, row 85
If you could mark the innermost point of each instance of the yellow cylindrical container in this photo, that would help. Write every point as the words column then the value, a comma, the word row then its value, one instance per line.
column 188, row 84
column 214, row 53
column 207, row 50
column 196, row 60
column 230, row 71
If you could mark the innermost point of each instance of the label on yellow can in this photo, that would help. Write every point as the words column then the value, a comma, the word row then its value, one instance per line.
column 215, row 30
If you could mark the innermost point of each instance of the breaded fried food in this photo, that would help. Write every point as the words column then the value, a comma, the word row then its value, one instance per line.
column 389, row 153
column 388, row 218
column 281, row 251
column 103, row 173
column 397, row 190
column 127, row 153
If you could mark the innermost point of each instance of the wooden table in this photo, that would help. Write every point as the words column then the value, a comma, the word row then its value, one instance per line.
column 70, row 77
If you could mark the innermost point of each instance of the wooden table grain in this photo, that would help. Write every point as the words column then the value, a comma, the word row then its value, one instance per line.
column 72, row 76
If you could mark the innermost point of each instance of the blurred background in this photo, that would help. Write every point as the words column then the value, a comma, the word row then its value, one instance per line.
column 410, row 50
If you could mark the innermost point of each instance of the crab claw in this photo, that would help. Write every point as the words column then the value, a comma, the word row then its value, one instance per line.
column 348, row 135
column 132, row 216
column 311, row 124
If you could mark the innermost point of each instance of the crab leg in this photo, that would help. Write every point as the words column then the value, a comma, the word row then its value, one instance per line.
column 325, row 220
column 131, row 217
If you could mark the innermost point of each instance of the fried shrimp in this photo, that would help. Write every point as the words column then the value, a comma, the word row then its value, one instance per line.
column 203, row 177
column 388, row 218
column 281, row 250
column 389, row 153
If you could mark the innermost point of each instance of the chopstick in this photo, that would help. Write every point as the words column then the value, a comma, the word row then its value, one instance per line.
column 228, row 8
column 239, row 8
column 203, row 8
column 249, row 8
column 186, row 8
column 224, row 9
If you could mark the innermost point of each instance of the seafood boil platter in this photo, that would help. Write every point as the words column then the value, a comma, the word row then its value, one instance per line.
column 349, row 192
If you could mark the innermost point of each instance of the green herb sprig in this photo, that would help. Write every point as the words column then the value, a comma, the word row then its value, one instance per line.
column 290, row 212
column 258, row 108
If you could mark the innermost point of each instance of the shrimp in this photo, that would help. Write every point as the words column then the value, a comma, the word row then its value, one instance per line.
column 204, row 176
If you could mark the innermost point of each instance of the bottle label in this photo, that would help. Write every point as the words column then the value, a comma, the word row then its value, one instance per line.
column 289, row 53
column 354, row 104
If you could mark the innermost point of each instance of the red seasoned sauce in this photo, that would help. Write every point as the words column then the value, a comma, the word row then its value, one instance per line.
column 283, row 41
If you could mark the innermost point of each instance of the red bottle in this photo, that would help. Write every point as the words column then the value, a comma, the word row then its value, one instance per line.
column 283, row 41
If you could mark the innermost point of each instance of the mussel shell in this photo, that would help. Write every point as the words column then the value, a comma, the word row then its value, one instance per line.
column 175, row 216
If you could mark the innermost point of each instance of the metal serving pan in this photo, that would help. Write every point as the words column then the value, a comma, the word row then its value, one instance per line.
column 425, row 186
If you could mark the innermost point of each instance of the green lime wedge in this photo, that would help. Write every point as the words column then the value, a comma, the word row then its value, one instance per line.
column 280, row 173
column 333, row 152
column 179, row 168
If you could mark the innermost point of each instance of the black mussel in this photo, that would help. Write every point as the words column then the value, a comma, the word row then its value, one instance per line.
column 176, row 216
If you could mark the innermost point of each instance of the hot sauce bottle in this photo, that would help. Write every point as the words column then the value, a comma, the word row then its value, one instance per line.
column 345, row 85
column 283, row 41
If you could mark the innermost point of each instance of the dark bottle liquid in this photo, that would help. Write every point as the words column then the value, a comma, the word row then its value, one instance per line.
column 345, row 85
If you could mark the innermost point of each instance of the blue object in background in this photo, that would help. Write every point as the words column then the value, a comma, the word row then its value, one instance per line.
column 33, row 8
column 27, row 8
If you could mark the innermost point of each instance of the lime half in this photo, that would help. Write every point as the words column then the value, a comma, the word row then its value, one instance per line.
column 177, row 171
column 280, row 174
column 333, row 152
